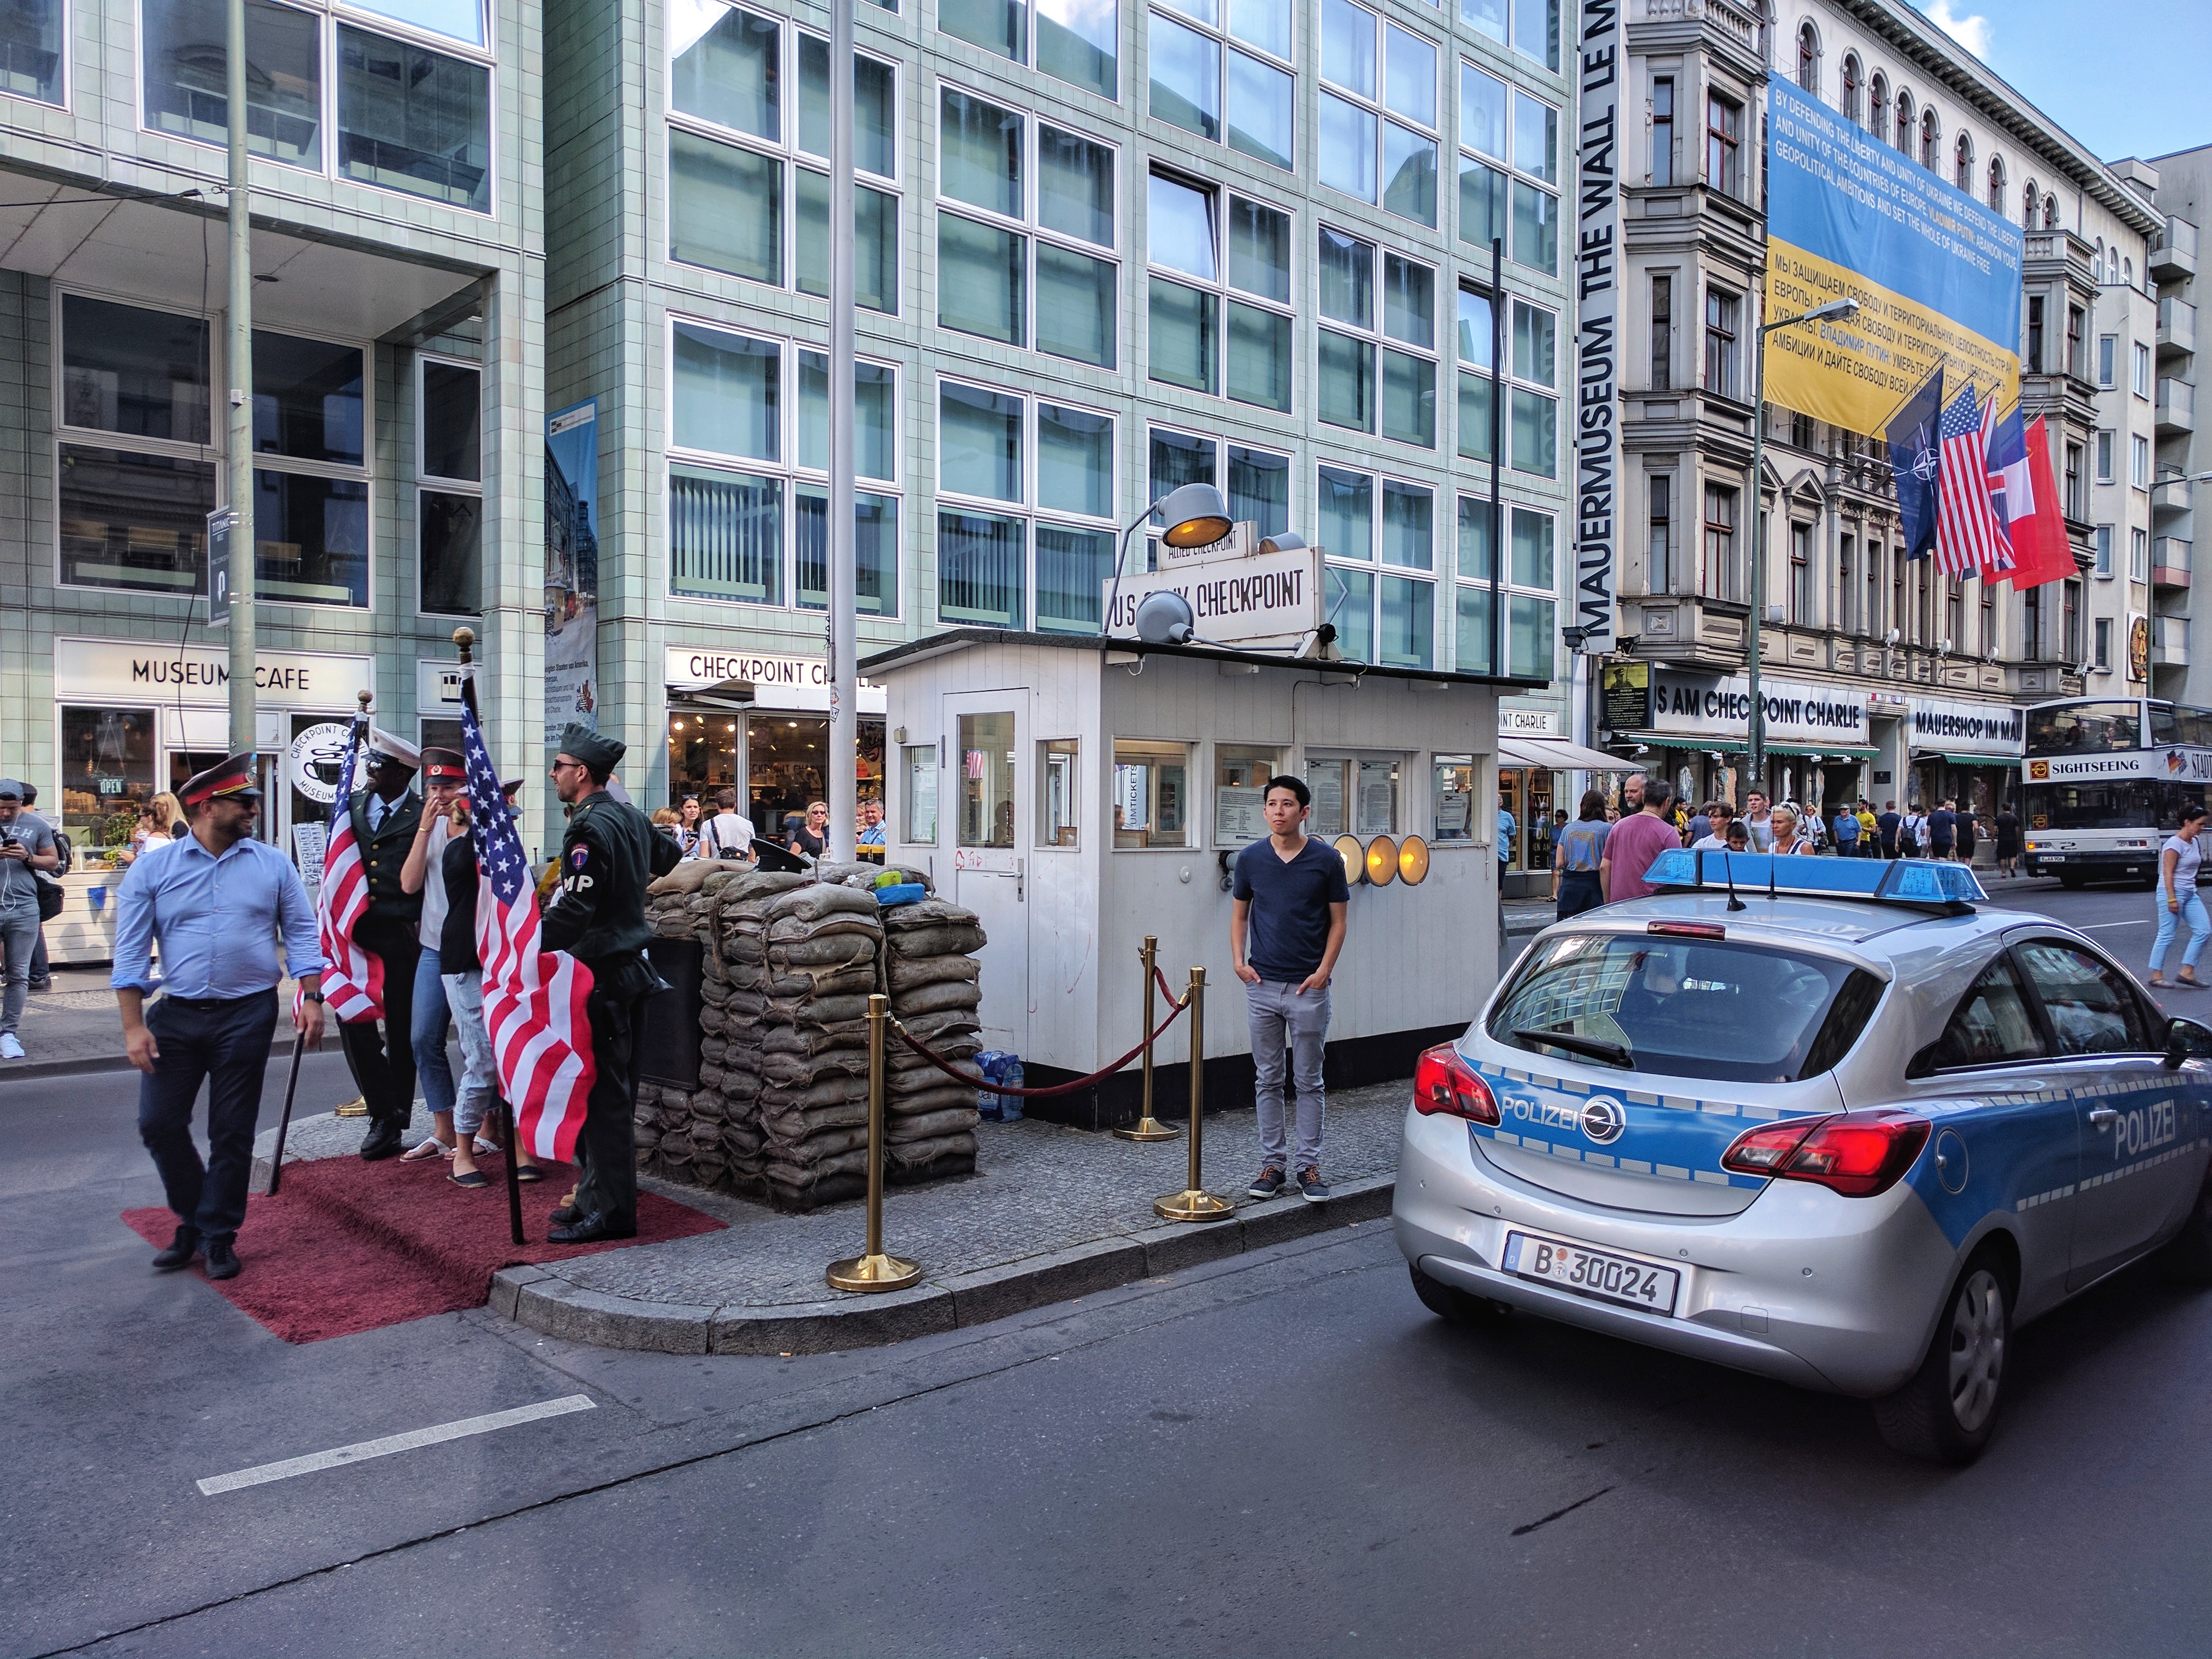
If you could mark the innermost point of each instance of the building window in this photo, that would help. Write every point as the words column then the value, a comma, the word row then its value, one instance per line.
column 1955, row 615
column 1396, row 319
column 1808, row 59
column 449, row 488
column 1962, row 159
column 748, row 485
column 1025, row 510
column 1877, row 106
column 1662, row 129
column 2143, row 375
column 1237, row 85
column 2104, row 658
column 2077, row 324
column 2073, row 622
column 1902, row 139
column 1996, row 183
column 32, row 41
column 2074, row 509
column 2138, row 555
column 1382, row 615
column 1659, row 544
column 1031, row 274
column 1194, row 289
column 1853, row 89
column 2104, row 545
column 2107, row 352
column 1380, row 102
column 1258, row 484
column 2034, row 364
column 1508, row 170
column 1930, row 140
column 1663, row 333
column 1531, row 400
column 1870, row 618
column 1800, row 575
column 2027, row 205
column 186, row 92
column 1531, row 609
column 2050, row 212
column 1535, row 26
column 2104, row 456
column 1722, row 311
column 1722, row 577
column 742, row 199
column 2139, row 461
column 1847, row 583
column 1723, row 145
column 1076, row 40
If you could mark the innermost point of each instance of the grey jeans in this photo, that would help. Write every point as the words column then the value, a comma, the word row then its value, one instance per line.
column 1281, row 1017
column 19, row 932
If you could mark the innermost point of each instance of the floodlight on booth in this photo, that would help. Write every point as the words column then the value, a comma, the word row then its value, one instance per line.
column 1382, row 861
column 1412, row 860
column 1354, row 856
column 1195, row 516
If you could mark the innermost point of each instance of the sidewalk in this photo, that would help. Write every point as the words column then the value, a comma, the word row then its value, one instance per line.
column 75, row 1027
column 1051, row 1214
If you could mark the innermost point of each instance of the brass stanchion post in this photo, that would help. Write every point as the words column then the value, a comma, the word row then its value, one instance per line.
column 873, row 1270
column 1148, row 1127
column 1194, row 1203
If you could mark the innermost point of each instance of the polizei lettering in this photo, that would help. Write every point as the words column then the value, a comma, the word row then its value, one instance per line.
column 1597, row 342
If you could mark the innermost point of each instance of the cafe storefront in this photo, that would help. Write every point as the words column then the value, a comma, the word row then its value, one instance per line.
column 760, row 721
column 1694, row 730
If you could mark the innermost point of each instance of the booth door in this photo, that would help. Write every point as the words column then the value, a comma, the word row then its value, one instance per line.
column 997, row 900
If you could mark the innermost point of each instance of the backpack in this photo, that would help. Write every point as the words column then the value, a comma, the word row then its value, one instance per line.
column 65, row 853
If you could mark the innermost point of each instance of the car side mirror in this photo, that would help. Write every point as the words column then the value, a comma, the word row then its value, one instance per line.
column 2186, row 1040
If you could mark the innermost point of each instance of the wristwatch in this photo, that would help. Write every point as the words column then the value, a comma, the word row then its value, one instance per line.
column 311, row 996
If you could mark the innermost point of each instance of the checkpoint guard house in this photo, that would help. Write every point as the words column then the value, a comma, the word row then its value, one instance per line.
column 1079, row 792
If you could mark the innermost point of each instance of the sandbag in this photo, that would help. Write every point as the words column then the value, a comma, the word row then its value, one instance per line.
column 732, row 886
column 926, row 1101
column 930, row 913
column 936, row 998
column 946, row 941
column 689, row 877
column 820, row 899
column 903, row 974
column 911, row 1154
column 927, row 1125
column 795, row 944
column 819, row 1012
column 811, row 1041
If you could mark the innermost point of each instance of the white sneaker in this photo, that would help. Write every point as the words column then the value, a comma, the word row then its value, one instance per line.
column 9, row 1048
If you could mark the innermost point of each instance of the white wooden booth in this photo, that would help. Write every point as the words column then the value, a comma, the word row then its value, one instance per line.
column 1078, row 794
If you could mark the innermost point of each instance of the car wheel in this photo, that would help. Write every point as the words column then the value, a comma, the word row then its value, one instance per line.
column 2189, row 1257
column 1947, row 1412
column 1451, row 1303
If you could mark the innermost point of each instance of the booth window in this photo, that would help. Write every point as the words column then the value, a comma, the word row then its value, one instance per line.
column 986, row 780
column 741, row 200
column 1151, row 794
column 1453, row 808
column 920, row 761
column 1240, row 793
column 108, row 769
column 1059, row 785
column 1356, row 794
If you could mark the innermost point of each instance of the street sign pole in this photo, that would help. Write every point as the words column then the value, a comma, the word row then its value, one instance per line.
column 843, row 555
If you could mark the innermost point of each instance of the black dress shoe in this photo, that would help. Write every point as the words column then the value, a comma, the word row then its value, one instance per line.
column 567, row 1215
column 182, row 1248
column 222, row 1258
column 590, row 1229
column 383, row 1140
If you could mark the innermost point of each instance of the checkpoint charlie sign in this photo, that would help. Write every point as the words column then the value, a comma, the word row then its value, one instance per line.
column 1238, row 595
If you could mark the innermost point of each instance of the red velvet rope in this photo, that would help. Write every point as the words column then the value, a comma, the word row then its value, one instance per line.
column 944, row 1067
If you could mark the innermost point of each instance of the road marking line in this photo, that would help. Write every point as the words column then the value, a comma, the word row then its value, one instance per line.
column 2094, row 926
column 363, row 1450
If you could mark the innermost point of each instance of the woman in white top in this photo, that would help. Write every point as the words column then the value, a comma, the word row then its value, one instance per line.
column 2178, row 862
column 1786, row 841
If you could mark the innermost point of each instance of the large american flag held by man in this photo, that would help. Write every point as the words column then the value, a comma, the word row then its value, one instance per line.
column 353, row 982
column 1969, row 535
column 533, row 999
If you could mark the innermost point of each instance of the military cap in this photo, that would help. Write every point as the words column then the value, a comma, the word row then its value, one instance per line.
column 444, row 763
column 230, row 779
column 388, row 748
column 599, row 754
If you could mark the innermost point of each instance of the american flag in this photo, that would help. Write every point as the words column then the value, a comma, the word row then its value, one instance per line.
column 533, row 999
column 352, row 983
column 1994, row 471
column 1969, row 535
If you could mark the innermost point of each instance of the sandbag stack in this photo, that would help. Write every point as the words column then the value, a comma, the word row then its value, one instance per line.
column 930, row 973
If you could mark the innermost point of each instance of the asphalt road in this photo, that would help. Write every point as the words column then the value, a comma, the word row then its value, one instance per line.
column 1281, row 1454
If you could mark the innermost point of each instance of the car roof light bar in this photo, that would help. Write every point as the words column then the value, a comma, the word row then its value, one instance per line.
column 1918, row 882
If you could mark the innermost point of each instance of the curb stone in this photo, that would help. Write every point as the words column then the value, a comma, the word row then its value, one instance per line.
column 542, row 1301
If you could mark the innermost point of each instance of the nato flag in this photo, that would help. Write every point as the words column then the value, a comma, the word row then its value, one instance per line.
column 1915, row 457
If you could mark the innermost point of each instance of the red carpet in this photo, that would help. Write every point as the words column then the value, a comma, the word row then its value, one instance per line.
column 347, row 1246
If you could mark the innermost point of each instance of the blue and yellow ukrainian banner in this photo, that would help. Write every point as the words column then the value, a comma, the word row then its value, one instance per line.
column 1935, row 273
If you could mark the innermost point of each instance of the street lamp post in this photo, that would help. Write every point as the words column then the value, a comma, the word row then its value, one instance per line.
column 1756, row 766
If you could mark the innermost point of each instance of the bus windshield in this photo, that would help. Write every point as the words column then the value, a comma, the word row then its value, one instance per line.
column 2084, row 728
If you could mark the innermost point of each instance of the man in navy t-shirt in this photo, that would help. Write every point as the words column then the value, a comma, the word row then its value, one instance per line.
column 1285, row 932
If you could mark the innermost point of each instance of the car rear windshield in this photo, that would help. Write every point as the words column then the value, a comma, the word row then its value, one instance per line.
column 1692, row 1008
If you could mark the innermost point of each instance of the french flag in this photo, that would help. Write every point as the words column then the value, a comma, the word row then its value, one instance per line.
column 2012, row 484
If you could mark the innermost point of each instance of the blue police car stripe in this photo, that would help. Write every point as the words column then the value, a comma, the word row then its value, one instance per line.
column 1675, row 1132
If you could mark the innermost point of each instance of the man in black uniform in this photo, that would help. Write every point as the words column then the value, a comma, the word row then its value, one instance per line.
column 385, row 817
column 609, row 853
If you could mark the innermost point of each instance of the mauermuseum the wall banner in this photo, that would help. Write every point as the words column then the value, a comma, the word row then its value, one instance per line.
column 1935, row 273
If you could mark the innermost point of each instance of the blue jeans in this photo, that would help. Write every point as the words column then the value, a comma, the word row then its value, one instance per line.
column 1281, row 1017
column 19, row 935
column 227, row 1043
column 427, row 1023
column 2169, row 924
column 1579, row 891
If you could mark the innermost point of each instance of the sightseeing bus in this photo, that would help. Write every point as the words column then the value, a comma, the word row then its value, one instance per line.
column 2106, row 778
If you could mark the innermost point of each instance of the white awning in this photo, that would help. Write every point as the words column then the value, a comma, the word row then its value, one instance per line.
column 1557, row 755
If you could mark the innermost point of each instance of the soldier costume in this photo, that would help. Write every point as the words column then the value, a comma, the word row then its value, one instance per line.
column 384, row 826
column 609, row 853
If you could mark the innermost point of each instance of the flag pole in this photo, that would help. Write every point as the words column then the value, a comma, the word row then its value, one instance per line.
column 464, row 639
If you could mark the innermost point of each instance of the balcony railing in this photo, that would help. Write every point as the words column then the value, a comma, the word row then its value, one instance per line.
column 2173, row 255
column 2177, row 327
column 2170, row 494
column 2169, row 561
column 2177, row 406
column 1727, row 18
column 2169, row 641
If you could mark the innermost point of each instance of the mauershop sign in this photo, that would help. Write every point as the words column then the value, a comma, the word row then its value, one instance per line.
column 1696, row 706
column 1968, row 728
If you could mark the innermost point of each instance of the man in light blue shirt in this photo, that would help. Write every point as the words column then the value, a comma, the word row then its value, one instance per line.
column 216, row 901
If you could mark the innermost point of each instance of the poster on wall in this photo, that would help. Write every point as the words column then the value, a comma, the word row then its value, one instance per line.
column 1935, row 273
column 572, row 567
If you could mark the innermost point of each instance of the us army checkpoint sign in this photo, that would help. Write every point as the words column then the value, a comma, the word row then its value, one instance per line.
column 1265, row 601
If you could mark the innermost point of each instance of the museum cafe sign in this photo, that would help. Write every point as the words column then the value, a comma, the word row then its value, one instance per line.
column 114, row 671
column 778, row 681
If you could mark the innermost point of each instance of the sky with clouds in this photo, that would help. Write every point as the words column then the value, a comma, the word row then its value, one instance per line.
column 2126, row 77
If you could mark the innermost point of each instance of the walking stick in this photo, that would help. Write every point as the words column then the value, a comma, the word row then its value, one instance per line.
column 513, row 1178
column 283, row 1123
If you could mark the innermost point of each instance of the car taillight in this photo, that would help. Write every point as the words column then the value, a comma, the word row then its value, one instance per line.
column 1858, row 1154
column 1443, row 1082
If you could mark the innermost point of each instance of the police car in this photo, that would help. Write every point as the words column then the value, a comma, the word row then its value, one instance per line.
column 1822, row 1120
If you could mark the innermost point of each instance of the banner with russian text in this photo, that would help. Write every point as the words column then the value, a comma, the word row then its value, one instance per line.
column 1935, row 273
